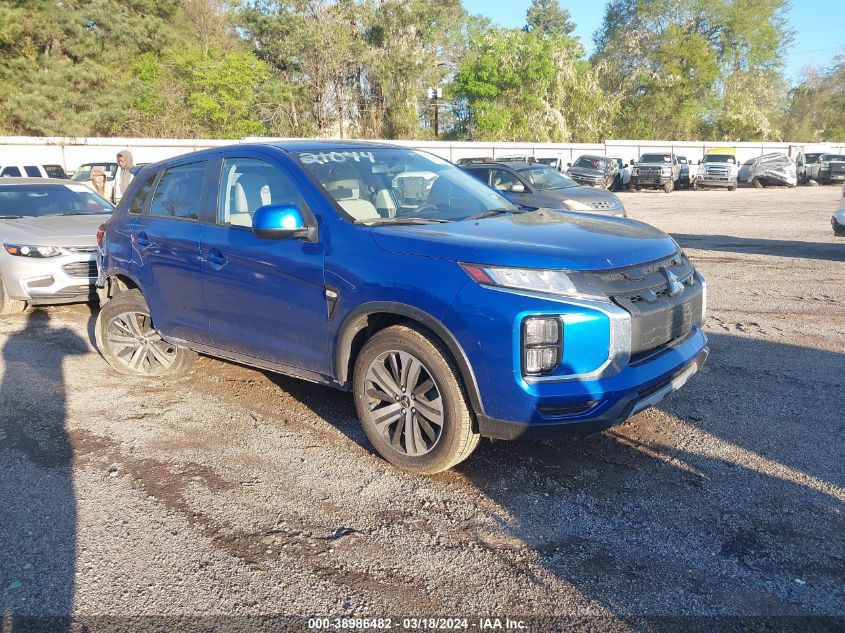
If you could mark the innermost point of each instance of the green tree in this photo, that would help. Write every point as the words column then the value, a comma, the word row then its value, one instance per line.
column 816, row 110
column 547, row 17
column 687, row 68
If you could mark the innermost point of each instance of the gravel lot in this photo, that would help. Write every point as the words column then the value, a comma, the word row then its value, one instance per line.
column 231, row 491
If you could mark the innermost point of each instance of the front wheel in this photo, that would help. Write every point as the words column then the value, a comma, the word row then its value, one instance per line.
column 7, row 304
column 668, row 187
column 129, row 342
column 732, row 188
column 411, row 402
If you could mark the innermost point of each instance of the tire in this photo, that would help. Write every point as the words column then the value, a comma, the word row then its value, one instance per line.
column 696, row 187
column 7, row 304
column 732, row 188
column 402, row 366
column 129, row 342
column 756, row 182
column 633, row 188
column 669, row 187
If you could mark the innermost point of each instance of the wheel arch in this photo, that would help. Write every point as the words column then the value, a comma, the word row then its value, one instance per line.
column 370, row 318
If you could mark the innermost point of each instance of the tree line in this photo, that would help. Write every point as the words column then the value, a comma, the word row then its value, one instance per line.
column 667, row 69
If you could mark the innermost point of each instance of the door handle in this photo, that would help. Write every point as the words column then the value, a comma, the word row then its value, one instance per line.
column 142, row 240
column 214, row 256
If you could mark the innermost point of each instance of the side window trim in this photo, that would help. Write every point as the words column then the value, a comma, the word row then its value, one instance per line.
column 145, row 210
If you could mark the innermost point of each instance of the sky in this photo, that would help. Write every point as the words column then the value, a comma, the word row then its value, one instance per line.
column 819, row 29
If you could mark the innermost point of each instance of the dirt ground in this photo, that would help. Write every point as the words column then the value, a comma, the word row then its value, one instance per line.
column 231, row 491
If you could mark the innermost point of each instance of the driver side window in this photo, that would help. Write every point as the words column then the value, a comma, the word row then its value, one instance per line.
column 249, row 183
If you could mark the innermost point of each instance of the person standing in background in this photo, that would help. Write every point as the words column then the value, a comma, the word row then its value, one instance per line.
column 99, row 183
column 123, row 176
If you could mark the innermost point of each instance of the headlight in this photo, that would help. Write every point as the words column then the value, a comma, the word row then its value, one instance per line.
column 701, row 170
column 23, row 250
column 555, row 282
column 825, row 165
column 575, row 205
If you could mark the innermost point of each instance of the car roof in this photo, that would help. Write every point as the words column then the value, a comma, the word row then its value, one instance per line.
column 512, row 164
column 37, row 181
column 601, row 156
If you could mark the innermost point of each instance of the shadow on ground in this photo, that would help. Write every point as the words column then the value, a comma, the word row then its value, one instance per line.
column 37, row 497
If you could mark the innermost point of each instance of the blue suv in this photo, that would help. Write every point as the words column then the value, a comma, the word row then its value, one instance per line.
column 448, row 311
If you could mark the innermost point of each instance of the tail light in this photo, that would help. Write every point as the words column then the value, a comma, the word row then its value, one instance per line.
column 101, row 233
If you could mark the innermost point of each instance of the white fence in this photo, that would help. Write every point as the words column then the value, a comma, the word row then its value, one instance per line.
column 71, row 152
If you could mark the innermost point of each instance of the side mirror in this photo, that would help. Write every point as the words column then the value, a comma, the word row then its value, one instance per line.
column 569, row 164
column 633, row 162
column 517, row 187
column 279, row 222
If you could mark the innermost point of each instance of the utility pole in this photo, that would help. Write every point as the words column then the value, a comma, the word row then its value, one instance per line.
column 434, row 96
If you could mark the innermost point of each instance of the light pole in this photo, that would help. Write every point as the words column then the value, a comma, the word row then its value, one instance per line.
column 434, row 95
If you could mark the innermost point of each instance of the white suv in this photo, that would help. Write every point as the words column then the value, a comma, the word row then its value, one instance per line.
column 32, row 171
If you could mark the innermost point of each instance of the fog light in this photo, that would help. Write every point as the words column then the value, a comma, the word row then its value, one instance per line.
column 542, row 331
column 541, row 345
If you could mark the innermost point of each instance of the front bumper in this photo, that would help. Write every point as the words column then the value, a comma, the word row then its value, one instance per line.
column 624, row 408
column 650, row 181
column 599, row 382
column 61, row 279
column 589, row 181
column 716, row 181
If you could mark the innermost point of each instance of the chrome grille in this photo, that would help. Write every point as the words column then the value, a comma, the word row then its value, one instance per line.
column 81, row 269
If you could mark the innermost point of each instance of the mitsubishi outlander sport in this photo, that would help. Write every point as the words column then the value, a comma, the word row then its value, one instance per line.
column 448, row 311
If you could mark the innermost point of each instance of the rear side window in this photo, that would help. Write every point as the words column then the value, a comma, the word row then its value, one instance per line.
column 249, row 183
column 179, row 191
column 55, row 171
column 11, row 172
column 482, row 173
column 32, row 171
column 139, row 200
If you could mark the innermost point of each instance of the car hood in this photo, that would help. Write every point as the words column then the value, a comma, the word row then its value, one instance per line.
column 53, row 230
column 585, row 172
column 586, row 195
column 535, row 239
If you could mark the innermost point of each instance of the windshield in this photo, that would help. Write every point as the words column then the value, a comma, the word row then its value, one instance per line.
column 591, row 162
column 543, row 177
column 35, row 201
column 811, row 158
column 720, row 158
column 656, row 158
column 829, row 157
column 83, row 172
column 393, row 184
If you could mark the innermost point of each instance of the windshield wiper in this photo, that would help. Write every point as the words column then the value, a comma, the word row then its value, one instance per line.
column 82, row 213
column 399, row 220
column 10, row 217
column 492, row 212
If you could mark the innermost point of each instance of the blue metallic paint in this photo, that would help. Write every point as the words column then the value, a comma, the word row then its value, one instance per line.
column 270, row 303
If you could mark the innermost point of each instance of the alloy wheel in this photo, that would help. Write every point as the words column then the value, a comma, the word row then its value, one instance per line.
column 136, row 344
column 404, row 403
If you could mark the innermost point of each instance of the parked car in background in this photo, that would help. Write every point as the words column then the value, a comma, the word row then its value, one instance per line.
column 656, row 171
column 555, row 162
column 536, row 185
column 718, row 168
column 838, row 219
column 775, row 168
column 516, row 158
column 593, row 171
column 685, row 178
column 803, row 164
column 32, row 171
column 827, row 169
column 83, row 172
column 48, row 233
column 463, row 317
column 137, row 167
column 474, row 161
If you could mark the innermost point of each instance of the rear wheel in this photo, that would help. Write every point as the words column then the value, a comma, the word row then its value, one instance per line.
column 7, row 304
column 129, row 342
column 411, row 402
